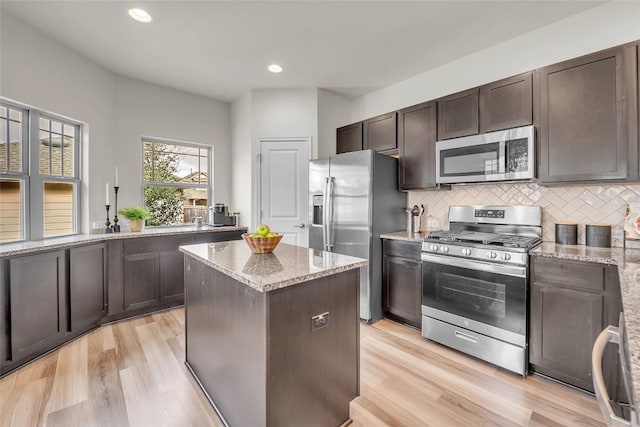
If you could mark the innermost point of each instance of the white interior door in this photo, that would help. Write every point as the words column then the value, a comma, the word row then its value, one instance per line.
column 284, row 183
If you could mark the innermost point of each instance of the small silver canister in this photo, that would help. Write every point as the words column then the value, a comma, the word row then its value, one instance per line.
column 415, row 217
column 415, row 223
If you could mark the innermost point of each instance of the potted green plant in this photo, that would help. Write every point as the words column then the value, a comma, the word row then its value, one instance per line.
column 136, row 217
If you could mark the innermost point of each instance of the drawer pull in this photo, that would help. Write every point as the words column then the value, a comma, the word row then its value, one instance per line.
column 466, row 337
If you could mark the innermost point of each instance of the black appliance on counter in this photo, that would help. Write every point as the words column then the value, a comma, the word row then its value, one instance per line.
column 475, row 281
column 219, row 216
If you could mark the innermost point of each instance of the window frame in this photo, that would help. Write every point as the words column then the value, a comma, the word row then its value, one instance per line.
column 32, row 192
column 23, row 176
column 208, row 185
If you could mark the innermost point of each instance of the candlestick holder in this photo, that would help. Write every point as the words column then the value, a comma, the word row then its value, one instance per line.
column 107, row 225
column 116, row 226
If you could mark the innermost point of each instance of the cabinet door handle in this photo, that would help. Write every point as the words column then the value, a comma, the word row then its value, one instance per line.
column 609, row 334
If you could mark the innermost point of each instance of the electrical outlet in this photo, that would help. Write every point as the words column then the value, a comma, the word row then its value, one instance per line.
column 319, row 321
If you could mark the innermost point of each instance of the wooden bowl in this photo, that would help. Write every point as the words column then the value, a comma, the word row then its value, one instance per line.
column 262, row 245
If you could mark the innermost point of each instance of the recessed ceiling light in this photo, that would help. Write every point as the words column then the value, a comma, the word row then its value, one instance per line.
column 275, row 68
column 140, row 15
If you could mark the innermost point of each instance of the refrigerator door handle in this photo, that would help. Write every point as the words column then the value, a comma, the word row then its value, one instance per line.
column 325, row 211
column 330, row 214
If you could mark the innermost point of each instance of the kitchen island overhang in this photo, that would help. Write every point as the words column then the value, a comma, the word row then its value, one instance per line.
column 273, row 339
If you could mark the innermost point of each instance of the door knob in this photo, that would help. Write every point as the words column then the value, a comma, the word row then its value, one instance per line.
column 300, row 226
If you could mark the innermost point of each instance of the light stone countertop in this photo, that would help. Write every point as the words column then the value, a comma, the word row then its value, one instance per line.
column 288, row 265
column 20, row 248
column 628, row 263
column 407, row 235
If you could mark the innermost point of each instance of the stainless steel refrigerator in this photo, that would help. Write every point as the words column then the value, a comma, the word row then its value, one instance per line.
column 354, row 198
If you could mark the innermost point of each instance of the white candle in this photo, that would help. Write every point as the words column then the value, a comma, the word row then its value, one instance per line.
column 106, row 202
column 116, row 176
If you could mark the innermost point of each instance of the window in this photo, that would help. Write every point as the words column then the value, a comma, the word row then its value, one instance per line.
column 40, row 177
column 175, row 181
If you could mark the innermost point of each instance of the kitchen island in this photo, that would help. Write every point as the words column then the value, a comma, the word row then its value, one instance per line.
column 273, row 339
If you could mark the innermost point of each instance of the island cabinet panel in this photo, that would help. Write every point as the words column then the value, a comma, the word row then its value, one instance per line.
column 312, row 373
column 349, row 138
column 417, row 146
column 402, row 281
column 458, row 114
column 588, row 120
column 38, row 304
column 87, row 286
column 506, row 103
column 571, row 303
column 380, row 133
column 226, row 342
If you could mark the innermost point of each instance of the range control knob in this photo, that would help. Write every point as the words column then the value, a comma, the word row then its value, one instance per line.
column 444, row 249
column 505, row 257
column 466, row 251
column 433, row 247
column 491, row 255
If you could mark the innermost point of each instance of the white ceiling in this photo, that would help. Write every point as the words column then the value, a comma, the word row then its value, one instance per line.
column 220, row 48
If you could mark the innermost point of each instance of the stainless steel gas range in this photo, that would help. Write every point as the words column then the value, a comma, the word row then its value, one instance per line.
column 475, row 280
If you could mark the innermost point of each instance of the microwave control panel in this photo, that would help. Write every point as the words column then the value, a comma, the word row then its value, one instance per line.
column 489, row 213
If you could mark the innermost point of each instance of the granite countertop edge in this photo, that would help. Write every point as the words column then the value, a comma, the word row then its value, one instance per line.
column 21, row 248
column 628, row 263
column 407, row 235
column 279, row 284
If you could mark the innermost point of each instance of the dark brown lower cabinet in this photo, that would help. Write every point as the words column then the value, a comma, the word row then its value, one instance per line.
column 51, row 297
column 402, row 281
column 87, row 286
column 38, row 298
column 571, row 303
column 172, row 277
column 33, row 307
column 148, row 274
column 141, row 277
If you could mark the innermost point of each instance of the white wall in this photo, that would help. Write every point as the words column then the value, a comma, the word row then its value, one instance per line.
column 334, row 111
column 146, row 109
column 266, row 113
column 285, row 113
column 42, row 73
column 611, row 24
column 242, row 178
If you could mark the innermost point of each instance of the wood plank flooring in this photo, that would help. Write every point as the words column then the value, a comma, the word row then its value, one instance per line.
column 132, row 373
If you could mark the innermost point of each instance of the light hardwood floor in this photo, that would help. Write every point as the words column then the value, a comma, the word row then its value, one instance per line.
column 132, row 373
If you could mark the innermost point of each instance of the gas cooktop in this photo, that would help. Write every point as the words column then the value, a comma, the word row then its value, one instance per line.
column 462, row 237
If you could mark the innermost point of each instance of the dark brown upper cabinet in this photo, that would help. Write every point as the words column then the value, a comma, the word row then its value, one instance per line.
column 506, row 103
column 458, row 114
column 417, row 146
column 380, row 133
column 349, row 138
column 588, row 120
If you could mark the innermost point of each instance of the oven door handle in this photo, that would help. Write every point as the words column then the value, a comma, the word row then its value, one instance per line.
column 507, row 270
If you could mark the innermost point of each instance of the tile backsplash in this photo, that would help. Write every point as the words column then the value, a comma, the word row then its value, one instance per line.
column 594, row 204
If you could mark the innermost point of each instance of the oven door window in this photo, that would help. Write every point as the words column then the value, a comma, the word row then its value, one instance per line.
column 474, row 160
column 489, row 298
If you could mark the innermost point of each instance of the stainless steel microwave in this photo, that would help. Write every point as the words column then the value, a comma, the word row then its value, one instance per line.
column 496, row 156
